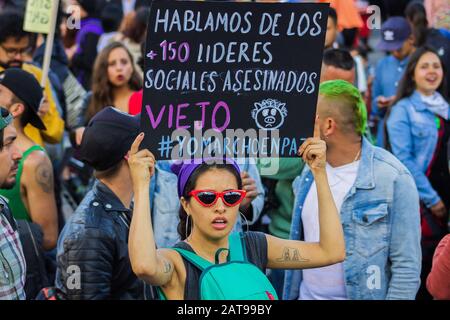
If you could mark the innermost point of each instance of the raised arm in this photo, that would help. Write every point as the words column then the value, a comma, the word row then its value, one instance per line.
column 291, row 254
column 147, row 263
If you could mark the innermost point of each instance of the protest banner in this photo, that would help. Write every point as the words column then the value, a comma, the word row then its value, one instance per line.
column 40, row 17
column 234, row 79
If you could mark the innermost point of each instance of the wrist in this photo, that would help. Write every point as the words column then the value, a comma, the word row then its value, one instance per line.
column 319, row 172
column 141, row 186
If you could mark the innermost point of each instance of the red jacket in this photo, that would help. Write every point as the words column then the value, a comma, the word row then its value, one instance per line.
column 438, row 281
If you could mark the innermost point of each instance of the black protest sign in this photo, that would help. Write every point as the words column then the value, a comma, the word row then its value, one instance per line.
column 213, row 68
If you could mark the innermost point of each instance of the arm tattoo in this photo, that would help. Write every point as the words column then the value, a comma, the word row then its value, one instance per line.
column 291, row 255
column 44, row 177
column 167, row 266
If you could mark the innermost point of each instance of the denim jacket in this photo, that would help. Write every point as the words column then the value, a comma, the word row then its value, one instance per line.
column 388, row 73
column 413, row 136
column 165, row 204
column 380, row 218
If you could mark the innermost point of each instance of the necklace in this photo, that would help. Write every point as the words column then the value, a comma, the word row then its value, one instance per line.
column 357, row 155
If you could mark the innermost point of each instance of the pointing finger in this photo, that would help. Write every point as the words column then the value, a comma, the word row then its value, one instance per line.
column 317, row 128
column 137, row 142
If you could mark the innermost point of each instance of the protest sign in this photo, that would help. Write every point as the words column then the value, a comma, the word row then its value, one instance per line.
column 38, row 15
column 234, row 79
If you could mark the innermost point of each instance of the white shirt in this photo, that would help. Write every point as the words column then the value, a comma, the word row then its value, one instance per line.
column 326, row 283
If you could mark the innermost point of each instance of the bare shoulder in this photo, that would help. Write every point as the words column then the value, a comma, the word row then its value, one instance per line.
column 37, row 169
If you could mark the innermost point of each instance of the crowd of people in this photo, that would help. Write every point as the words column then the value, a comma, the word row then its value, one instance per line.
column 361, row 214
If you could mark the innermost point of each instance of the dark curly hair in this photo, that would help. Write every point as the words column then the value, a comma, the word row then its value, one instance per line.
column 11, row 25
column 190, row 185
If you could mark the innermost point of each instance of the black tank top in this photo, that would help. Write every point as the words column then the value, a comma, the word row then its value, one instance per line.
column 256, row 247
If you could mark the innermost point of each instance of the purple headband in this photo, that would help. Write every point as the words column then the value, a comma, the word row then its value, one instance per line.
column 184, row 169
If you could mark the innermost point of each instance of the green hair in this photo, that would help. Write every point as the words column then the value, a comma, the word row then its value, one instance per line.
column 344, row 90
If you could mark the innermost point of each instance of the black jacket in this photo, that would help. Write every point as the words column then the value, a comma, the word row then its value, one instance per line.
column 92, row 259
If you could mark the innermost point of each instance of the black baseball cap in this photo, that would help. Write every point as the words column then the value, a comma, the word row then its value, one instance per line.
column 25, row 87
column 108, row 137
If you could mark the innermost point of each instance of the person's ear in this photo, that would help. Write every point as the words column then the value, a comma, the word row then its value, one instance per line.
column 329, row 126
column 16, row 109
column 185, row 205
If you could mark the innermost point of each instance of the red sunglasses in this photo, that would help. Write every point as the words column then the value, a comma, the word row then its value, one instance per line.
column 208, row 198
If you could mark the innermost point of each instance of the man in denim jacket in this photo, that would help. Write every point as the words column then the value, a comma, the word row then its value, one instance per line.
column 165, row 204
column 379, row 210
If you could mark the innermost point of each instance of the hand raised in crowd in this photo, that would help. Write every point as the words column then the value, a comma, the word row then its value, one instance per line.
column 313, row 150
column 249, row 185
column 142, row 163
column 439, row 210
column 44, row 107
column 384, row 102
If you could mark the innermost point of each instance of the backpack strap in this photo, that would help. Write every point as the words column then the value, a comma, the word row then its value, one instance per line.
column 197, row 261
column 237, row 247
column 236, row 252
column 218, row 252
column 161, row 294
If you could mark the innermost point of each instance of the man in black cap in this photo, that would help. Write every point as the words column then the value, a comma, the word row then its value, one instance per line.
column 92, row 259
column 33, row 197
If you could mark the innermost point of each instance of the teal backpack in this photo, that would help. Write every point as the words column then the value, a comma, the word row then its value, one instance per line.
column 237, row 279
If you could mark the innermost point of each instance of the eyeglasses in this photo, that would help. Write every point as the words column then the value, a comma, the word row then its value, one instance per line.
column 13, row 52
column 208, row 198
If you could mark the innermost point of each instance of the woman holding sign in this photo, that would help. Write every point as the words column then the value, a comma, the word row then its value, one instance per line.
column 212, row 262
